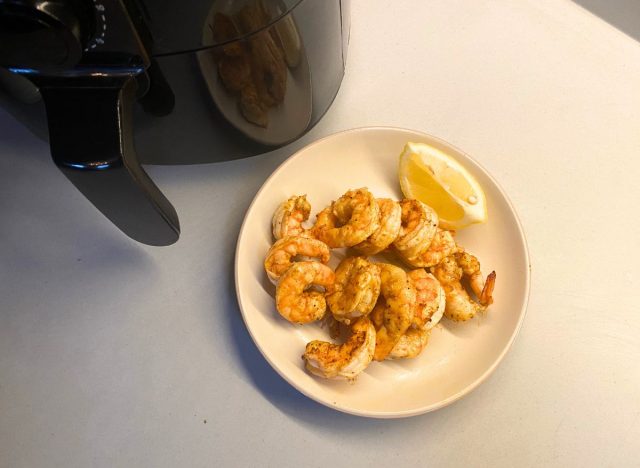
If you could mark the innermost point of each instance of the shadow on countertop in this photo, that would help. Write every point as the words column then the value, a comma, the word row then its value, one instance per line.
column 622, row 14
column 47, row 222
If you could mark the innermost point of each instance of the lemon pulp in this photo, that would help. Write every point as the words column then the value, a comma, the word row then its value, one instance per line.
column 437, row 179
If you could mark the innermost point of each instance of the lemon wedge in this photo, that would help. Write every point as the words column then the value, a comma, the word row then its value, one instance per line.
column 437, row 179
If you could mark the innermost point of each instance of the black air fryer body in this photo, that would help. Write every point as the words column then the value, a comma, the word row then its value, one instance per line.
column 116, row 83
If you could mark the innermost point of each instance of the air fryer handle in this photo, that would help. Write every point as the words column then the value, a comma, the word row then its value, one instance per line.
column 91, row 138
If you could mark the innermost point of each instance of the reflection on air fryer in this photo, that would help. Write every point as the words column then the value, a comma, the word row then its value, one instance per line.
column 264, row 76
column 255, row 69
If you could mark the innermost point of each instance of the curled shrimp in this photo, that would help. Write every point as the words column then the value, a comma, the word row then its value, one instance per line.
column 394, row 312
column 347, row 360
column 389, row 221
column 459, row 306
column 295, row 301
column 356, row 289
column 285, row 250
column 471, row 269
column 289, row 216
column 418, row 227
column 410, row 344
column 349, row 220
column 429, row 307
column 430, row 299
column 442, row 245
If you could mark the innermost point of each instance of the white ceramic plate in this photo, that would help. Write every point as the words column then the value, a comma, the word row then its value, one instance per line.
column 459, row 355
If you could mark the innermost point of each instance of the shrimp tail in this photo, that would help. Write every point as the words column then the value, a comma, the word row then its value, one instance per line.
column 486, row 296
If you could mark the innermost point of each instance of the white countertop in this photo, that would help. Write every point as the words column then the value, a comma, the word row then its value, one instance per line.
column 118, row 354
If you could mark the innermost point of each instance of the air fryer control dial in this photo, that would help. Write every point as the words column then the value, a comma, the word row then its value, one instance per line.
column 44, row 34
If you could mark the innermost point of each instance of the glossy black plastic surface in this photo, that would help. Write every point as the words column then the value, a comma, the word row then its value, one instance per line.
column 176, row 27
column 206, row 118
column 44, row 34
column 100, row 159
column 274, row 73
column 183, row 113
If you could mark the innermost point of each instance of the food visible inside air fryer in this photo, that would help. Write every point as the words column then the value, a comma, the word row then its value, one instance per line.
column 255, row 69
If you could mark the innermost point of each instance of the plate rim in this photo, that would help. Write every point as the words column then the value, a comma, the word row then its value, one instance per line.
column 461, row 393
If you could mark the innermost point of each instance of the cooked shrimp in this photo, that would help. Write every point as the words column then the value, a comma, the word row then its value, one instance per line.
column 289, row 216
column 356, row 289
column 419, row 223
column 442, row 245
column 394, row 312
column 283, row 251
column 410, row 344
column 349, row 220
column 330, row 360
column 430, row 299
column 390, row 221
column 294, row 301
column 459, row 306
column 471, row 269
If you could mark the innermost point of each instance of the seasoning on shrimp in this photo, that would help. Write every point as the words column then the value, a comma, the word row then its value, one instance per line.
column 471, row 269
column 389, row 221
column 285, row 250
column 289, row 216
column 349, row 220
column 411, row 344
column 459, row 306
column 429, row 307
column 394, row 312
column 430, row 299
column 295, row 300
column 442, row 245
column 347, row 360
column 356, row 289
column 418, row 227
